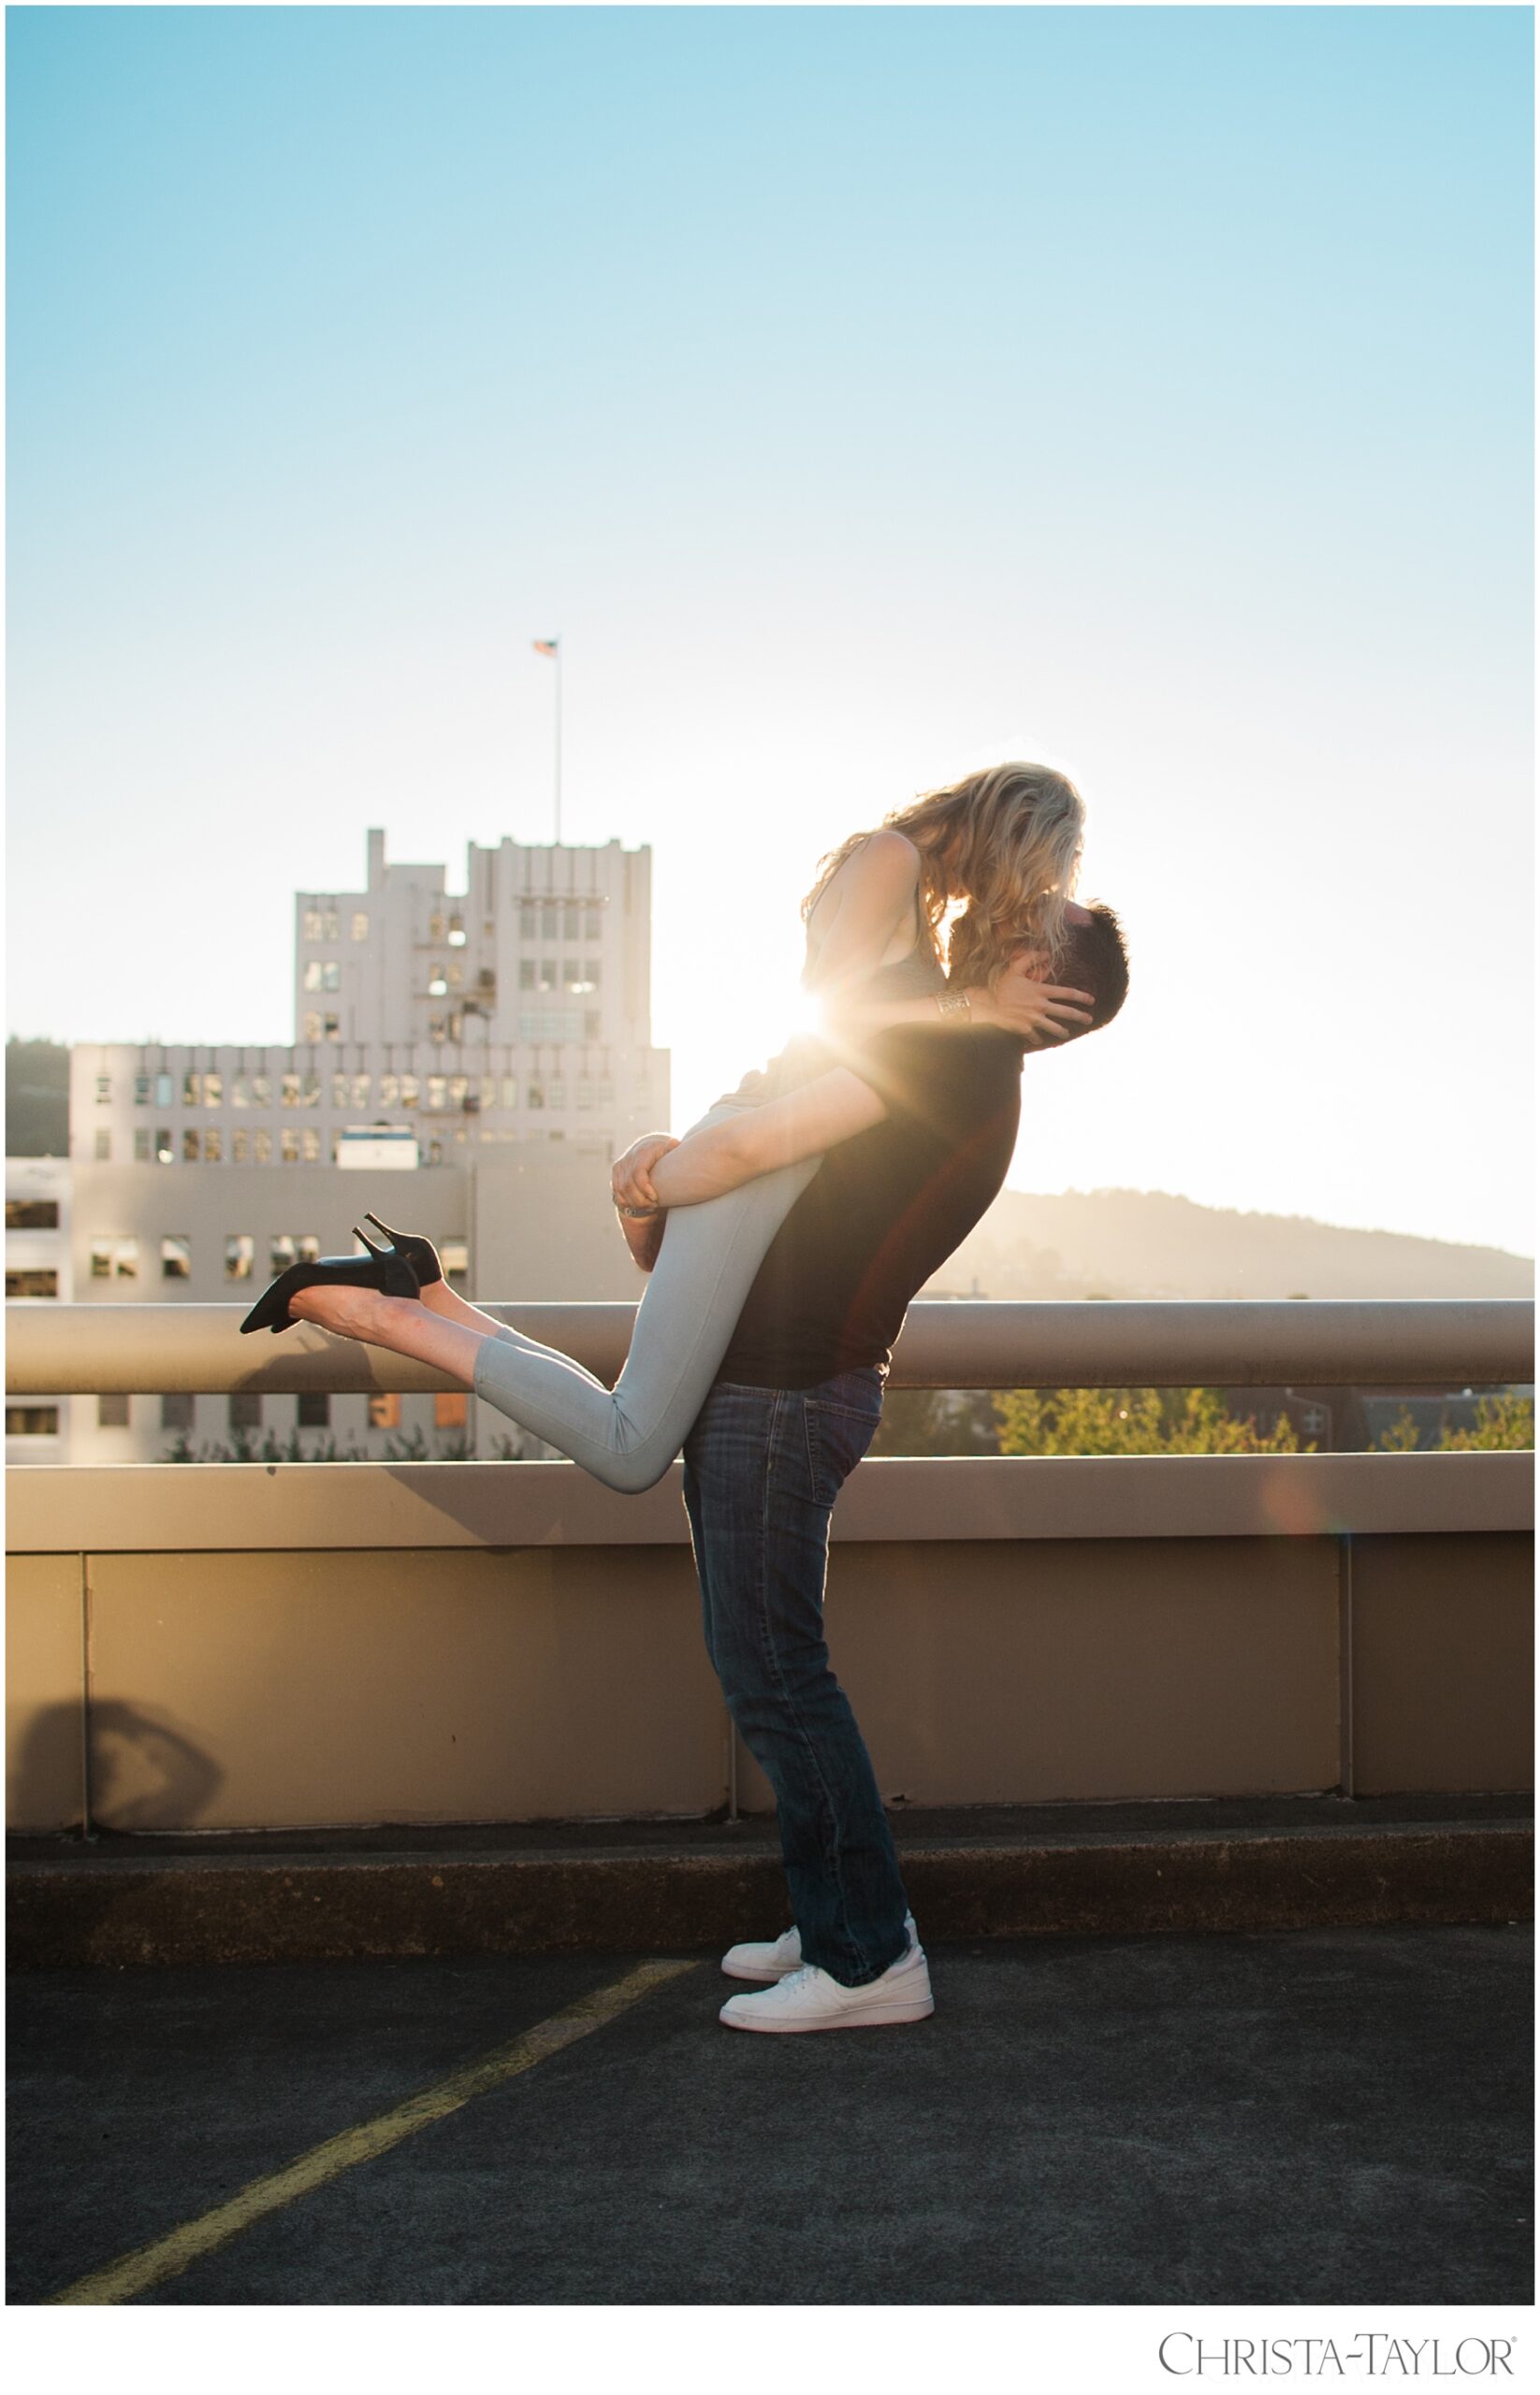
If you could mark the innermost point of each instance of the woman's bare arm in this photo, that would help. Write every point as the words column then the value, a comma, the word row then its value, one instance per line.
column 819, row 1115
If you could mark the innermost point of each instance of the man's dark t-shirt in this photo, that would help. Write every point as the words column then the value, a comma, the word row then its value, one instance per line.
column 884, row 1210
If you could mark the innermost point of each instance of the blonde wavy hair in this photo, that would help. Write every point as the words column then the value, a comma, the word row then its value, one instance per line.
column 1005, row 843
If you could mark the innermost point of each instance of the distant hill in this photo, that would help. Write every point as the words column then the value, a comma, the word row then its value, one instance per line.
column 1141, row 1244
column 37, row 1098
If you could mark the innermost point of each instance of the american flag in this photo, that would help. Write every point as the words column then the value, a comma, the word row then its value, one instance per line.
column 544, row 647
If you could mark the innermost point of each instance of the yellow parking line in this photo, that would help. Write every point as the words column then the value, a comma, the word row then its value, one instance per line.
column 171, row 2255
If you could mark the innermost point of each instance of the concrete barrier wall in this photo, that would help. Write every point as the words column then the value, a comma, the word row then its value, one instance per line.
column 261, row 1647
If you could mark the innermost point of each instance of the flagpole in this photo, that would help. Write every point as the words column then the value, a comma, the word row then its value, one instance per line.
column 558, row 742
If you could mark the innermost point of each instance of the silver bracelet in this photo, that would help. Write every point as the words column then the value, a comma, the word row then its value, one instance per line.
column 637, row 1214
column 954, row 1002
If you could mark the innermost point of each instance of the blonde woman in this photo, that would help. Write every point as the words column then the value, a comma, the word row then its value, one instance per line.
column 1003, row 846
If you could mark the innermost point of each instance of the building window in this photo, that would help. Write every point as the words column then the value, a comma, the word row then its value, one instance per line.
column 141, row 1146
column 310, row 1088
column 241, row 1090
column 240, row 1147
column 534, row 1096
column 262, row 1147
column 556, row 1094
column 288, row 1147
column 32, row 1213
column 281, row 1254
column 390, row 1090
column 103, row 1149
column 176, row 1410
column 435, row 928
column 245, row 1410
column 32, row 1421
column 213, row 1145
column 104, row 1089
column 289, row 1090
column 339, row 1089
column 189, row 1147
column 528, row 921
column 320, row 923
column 435, row 1093
column 360, row 1089
column 449, row 1410
column 261, row 1089
column 101, row 1260
column 163, row 1089
column 112, row 1412
column 459, row 1089
column 437, row 1029
column 309, row 1026
column 385, row 1411
column 593, row 923
column 526, row 972
column 114, row 1259
column 165, row 1152
column 310, row 1146
column 240, row 1255
column 456, row 931
column 510, row 1090
column 570, row 921
column 37, row 1282
column 314, row 1410
column 409, row 1090
column 213, row 1089
column 455, row 1256
column 438, row 986
column 360, row 926
column 141, row 1089
column 175, row 1257
column 585, row 1096
column 190, row 1082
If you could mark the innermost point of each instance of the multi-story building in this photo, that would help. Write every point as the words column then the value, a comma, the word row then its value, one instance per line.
column 515, row 1014
column 497, row 1044
column 38, row 1271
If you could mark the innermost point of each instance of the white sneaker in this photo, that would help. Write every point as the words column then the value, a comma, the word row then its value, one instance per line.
column 776, row 1958
column 810, row 1999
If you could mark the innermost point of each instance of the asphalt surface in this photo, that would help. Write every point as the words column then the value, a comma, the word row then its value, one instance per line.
column 1316, row 2116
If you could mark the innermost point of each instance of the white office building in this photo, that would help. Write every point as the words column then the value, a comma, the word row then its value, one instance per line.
column 495, row 1046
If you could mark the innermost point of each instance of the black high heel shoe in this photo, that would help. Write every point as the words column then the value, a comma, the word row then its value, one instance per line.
column 383, row 1269
column 420, row 1252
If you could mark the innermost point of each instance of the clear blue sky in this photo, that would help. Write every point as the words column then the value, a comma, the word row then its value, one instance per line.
column 863, row 395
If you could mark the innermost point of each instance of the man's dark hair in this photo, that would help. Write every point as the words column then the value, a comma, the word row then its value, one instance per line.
column 1096, row 959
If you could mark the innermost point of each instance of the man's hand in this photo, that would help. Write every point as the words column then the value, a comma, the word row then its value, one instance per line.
column 630, row 1175
column 1036, row 1011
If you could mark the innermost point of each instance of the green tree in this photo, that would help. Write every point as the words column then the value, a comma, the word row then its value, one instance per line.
column 1503, row 1421
column 1133, row 1422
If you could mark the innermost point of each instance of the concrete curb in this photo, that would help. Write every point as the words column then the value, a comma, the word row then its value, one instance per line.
column 245, row 1908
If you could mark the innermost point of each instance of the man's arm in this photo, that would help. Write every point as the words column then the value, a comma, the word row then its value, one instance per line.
column 786, row 1130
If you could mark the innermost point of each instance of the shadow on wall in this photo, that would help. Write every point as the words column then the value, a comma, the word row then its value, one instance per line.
column 144, row 1773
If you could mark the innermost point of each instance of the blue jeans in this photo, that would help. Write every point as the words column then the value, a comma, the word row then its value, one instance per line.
column 762, row 1468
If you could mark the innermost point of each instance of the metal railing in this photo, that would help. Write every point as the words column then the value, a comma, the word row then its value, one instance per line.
column 88, row 1350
